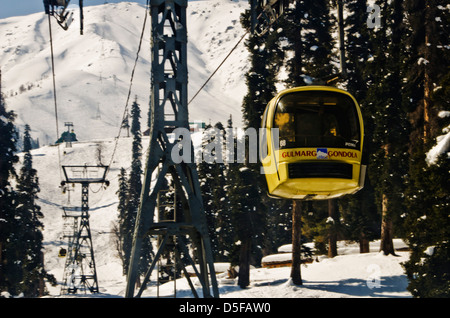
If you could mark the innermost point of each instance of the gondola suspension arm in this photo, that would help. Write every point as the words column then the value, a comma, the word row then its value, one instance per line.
column 58, row 9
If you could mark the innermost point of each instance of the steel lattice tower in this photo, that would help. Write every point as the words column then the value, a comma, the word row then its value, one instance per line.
column 169, row 110
column 80, row 272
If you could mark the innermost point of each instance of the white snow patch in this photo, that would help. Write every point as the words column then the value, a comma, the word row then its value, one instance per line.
column 442, row 146
column 430, row 250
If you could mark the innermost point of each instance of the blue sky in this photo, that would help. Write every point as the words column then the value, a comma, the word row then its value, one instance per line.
column 11, row 8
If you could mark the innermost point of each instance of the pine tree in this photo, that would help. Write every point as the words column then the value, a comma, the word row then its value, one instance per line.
column 234, row 199
column 126, row 124
column 8, row 139
column 307, row 27
column 360, row 215
column 428, row 225
column 389, row 160
column 428, row 81
column 278, row 225
column 212, row 176
column 245, row 180
column 426, row 45
column 134, row 181
column 359, row 210
column 8, row 196
column 206, row 177
column 318, row 40
column 292, row 25
column 265, row 57
column 134, row 192
column 123, row 228
column 218, row 190
column 304, row 31
column 224, row 226
column 29, row 213
column 246, row 212
column 272, row 47
column 357, row 50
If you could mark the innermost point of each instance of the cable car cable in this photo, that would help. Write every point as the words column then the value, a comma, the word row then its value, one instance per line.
column 215, row 71
column 54, row 92
column 130, row 86
column 127, row 101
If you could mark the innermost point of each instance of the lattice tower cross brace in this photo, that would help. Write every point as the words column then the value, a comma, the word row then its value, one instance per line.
column 169, row 110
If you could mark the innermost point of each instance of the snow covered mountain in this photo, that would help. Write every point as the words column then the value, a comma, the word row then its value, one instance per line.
column 93, row 70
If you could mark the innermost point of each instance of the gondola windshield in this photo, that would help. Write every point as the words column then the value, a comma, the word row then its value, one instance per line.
column 317, row 119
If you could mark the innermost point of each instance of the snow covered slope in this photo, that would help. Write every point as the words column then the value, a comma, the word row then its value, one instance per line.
column 93, row 70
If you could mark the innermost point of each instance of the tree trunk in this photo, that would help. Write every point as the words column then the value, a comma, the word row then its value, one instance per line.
column 2, row 271
column 296, row 243
column 244, row 263
column 427, row 86
column 428, row 83
column 363, row 244
column 341, row 37
column 138, row 282
column 332, row 236
column 387, row 244
column 41, row 279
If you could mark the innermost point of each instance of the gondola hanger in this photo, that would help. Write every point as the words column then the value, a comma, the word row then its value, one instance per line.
column 58, row 9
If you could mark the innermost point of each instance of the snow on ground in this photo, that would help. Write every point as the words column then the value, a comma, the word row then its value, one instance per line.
column 348, row 275
column 355, row 275
column 345, row 276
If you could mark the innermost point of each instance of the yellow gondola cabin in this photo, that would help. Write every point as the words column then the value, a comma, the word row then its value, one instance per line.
column 314, row 141
column 62, row 252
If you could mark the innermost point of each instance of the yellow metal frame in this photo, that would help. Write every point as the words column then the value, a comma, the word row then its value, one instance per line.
column 275, row 164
